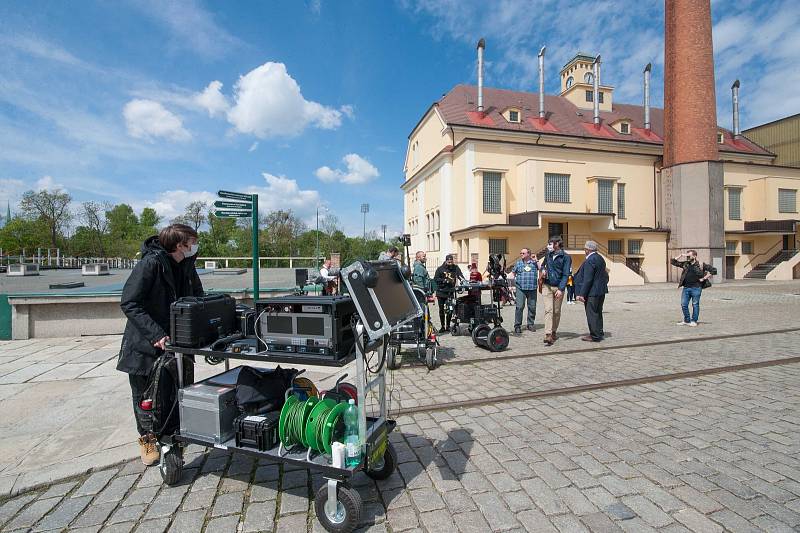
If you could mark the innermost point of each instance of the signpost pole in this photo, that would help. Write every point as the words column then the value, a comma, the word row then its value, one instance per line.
column 256, row 264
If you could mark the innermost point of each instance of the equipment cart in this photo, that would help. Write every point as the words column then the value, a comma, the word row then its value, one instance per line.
column 338, row 505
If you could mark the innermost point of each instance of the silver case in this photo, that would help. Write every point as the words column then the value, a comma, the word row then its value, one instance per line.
column 207, row 412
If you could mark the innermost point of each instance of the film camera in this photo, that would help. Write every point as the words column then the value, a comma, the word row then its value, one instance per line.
column 405, row 239
column 497, row 267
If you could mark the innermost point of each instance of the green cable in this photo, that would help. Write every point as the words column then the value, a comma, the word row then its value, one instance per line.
column 294, row 424
column 319, row 426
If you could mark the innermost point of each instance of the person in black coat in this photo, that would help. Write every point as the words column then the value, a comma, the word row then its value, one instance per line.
column 446, row 278
column 165, row 272
column 591, row 286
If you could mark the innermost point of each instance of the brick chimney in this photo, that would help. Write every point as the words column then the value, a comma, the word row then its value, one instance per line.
column 691, row 185
column 690, row 118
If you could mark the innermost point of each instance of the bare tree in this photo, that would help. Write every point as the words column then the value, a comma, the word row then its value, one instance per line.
column 194, row 215
column 93, row 215
column 329, row 224
column 50, row 207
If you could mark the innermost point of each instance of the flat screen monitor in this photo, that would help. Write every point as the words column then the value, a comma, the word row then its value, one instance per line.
column 383, row 298
column 310, row 325
column 279, row 324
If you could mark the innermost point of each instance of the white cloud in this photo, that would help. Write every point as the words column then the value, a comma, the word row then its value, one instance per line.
column 147, row 119
column 284, row 193
column 170, row 204
column 359, row 171
column 37, row 47
column 315, row 6
column 348, row 111
column 47, row 183
column 253, row 147
column 11, row 192
column 268, row 103
column 212, row 99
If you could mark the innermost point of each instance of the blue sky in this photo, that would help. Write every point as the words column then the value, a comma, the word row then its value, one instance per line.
column 310, row 103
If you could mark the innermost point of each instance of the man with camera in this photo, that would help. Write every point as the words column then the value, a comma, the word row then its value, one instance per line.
column 555, row 271
column 694, row 278
column 526, row 273
column 446, row 278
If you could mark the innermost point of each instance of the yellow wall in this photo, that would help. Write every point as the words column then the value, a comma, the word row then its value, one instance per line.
column 429, row 139
column 760, row 191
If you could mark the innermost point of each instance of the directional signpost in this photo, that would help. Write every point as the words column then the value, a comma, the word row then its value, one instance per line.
column 246, row 206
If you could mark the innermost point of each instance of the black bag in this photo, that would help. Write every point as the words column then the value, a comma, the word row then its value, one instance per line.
column 711, row 270
column 162, row 388
column 706, row 284
column 261, row 391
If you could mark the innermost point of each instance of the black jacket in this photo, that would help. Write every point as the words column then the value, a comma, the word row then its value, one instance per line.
column 592, row 278
column 446, row 278
column 701, row 269
column 146, row 299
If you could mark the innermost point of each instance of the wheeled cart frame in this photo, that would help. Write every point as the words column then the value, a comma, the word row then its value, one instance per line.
column 338, row 506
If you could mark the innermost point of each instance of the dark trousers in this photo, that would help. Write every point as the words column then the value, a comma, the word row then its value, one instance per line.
column 138, row 386
column 594, row 316
column 444, row 318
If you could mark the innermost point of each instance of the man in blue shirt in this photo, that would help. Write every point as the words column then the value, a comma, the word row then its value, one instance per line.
column 526, row 275
column 556, row 268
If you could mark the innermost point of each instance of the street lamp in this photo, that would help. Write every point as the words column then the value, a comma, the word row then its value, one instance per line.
column 383, row 227
column 317, row 252
column 365, row 210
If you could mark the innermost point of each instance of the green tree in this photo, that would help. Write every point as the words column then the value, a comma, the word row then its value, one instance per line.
column 194, row 215
column 95, row 228
column 123, row 230
column 19, row 233
column 52, row 208
column 280, row 231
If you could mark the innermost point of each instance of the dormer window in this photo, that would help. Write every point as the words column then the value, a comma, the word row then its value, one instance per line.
column 720, row 137
column 512, row 115
column 570, row 81
column 624, row 127
column 588, row 77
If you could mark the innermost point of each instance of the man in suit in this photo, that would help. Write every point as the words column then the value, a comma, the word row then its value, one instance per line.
column 591, row 286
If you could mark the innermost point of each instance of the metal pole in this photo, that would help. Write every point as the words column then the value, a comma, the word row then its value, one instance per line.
column 256, row 265
column 383, row 226
column 316, row 260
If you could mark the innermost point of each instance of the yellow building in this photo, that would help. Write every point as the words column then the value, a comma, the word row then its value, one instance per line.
column 504, row 177
column 782, row 137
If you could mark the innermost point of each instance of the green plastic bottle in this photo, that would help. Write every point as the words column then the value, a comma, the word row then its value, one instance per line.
column 351, row 440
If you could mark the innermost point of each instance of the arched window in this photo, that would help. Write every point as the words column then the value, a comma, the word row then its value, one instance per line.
column 570, row 81
column 588, row 77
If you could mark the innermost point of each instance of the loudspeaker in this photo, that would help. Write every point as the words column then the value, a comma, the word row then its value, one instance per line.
column 300, row 277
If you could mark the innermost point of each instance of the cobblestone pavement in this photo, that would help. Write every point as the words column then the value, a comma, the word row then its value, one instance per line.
column 708, row 454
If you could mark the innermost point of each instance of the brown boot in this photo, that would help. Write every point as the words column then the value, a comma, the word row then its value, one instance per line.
column 548, row 339
column 148, row 445
column 554, row 336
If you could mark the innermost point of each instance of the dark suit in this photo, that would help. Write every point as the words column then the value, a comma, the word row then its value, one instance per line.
column 591, row 282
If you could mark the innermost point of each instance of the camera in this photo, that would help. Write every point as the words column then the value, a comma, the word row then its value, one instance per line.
column 497, row 267
column 405, row 239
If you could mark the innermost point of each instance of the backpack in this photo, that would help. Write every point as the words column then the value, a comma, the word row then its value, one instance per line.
column 162, row 389
column 259, row 390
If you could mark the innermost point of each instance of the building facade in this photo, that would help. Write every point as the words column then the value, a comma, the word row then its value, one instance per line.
column 781, row 137
column 505, row 177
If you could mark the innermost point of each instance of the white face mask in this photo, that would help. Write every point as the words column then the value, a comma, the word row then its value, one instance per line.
column 192, row 250
column 550, row 247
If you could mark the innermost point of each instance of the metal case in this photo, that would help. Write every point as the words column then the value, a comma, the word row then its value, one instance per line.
column 208, row 411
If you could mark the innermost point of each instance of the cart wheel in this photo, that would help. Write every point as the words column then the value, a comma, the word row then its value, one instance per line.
column 391, row 357
column 171, row 466
column 384, row 468
column 347, row 514
column 431, row 357
column 454, row 330
column 498, row 339
column 211, row 360
column 480, row 331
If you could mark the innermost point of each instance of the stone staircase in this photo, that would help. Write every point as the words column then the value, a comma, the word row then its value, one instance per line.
column 761, row 271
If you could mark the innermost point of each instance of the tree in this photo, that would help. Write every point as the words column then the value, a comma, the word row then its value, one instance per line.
column 52, row 208
column 124, row 230
column 149, row 219
column 93, row 215
column 280, row 230
column 194, row 215
column 19, row 233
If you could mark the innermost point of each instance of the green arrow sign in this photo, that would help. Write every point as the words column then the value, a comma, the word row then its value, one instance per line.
column 235, row 195
column 234, row 205
column 232, row 214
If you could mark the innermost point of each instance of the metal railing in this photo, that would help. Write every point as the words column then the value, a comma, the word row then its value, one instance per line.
column 58, row 261
column 265, row 262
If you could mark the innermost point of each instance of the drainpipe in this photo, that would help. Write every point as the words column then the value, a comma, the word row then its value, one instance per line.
column 647, row 96
column 735, row 96
column 596, row 94
column 481, row 46
column 541, row 82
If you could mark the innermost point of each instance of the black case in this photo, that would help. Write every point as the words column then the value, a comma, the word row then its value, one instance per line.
column 257, row 431
column 197, row 321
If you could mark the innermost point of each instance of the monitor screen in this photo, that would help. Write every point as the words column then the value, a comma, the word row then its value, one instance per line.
column 394, row 297
column 279, row 324
column 310, row 325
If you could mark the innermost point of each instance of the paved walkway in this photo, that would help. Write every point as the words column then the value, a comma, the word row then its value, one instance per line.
column 705, row 453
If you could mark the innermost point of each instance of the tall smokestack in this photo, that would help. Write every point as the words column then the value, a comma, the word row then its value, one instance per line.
column 481, row 46
column 541, row 82
column 735, row 95
column 647, row 70
column 596, row 95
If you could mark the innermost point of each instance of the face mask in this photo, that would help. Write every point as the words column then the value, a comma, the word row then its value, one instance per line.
column 550, row 247
column 192, row 250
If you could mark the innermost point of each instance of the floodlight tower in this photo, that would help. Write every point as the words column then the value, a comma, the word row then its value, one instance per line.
column 365, row 210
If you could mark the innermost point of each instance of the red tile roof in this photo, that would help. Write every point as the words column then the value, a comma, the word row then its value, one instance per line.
column 459, row 107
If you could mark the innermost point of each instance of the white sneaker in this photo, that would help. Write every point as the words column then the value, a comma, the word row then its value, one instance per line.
column 693, row 324
column 682, row 323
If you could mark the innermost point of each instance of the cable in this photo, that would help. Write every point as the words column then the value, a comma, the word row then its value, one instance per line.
column 255, row 327
column 293, row 430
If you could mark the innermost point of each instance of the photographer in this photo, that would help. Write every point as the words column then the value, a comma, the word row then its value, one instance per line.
column 165, row 273
column 694, row 277
column 446, row 278
column 526, row 273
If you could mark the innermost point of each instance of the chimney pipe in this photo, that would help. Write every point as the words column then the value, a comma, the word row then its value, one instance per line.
column 541, row 82
column 596, row 95
column 735, row 94
column 647, row 70
column 481, row 46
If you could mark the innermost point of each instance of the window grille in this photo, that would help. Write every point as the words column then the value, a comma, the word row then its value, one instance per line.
column 498, row 246
column 615, row 246
column 787, row 200
column 634, row 247
column 620, row 200
column 605, row 196
column 491, row 192
column 513, row 116
column 735, row 204
column 747, row 247
column 556, row 188
column 730, row 247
